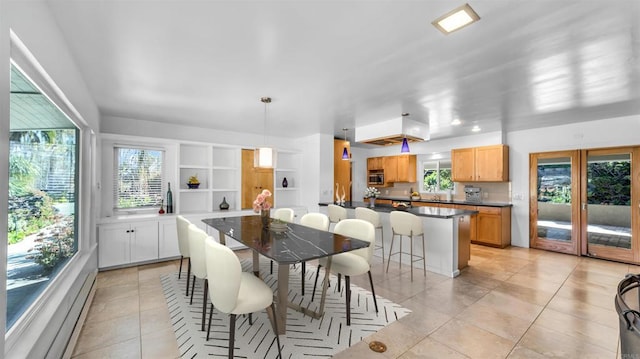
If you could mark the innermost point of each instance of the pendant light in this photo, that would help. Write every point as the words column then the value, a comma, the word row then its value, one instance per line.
column 405, row 144
column 264, row 157
column 345, row 151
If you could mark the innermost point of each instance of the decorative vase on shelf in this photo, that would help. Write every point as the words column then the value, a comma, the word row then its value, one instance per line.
column 169, row 198
column 161, row 211
column 265, row 216
column 224, row 205
column 372, row 202
column 285, row 183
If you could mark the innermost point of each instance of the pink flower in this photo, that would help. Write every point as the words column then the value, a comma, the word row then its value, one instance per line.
column 260, row 202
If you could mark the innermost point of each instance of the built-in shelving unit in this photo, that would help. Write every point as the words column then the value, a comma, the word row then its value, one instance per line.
column 287, row 167
column 218, row 170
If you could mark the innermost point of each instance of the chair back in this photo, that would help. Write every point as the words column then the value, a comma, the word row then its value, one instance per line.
column 368, row 215
column 359, row 229
column 183, row 235
column 224, row 274
column 196, row 249
column 315, row 220
column 405, row 223
column 336, row 213
column 284, row 214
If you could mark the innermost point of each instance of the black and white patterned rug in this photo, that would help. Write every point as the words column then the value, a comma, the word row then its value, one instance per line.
column 305, row 336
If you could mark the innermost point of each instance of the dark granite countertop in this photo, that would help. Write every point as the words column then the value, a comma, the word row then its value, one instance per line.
column 468, row 203
column 434, row 212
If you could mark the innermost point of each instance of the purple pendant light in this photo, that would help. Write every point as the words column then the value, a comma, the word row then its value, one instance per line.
column 345, row 152
column 405, row 146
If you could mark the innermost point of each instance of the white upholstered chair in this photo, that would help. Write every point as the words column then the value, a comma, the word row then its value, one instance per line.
column 410, row 225
column 336, row 213
column 284, row 214
column 355, row 262
column 318, row 221
column 182, row 225
column 198, row 264
column 235, row 292
column 372, row 217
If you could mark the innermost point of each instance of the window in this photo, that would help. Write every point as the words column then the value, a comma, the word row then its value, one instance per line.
column 43, row 194
column 437, row 176
column 138, row 177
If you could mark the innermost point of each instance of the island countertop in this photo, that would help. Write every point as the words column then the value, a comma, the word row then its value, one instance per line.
column 434, row 212
column 444, row 201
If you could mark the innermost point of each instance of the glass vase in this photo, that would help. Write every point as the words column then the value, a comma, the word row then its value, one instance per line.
column 265, row 216
column 372, row 202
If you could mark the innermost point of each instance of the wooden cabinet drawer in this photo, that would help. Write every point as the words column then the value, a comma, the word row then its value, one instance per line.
column 489, row 210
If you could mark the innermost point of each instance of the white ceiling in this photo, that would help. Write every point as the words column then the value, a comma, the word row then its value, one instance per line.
column 335, row 64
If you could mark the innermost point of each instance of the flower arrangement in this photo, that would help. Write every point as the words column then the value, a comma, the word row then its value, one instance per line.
column 371, row 192
column 261, row 201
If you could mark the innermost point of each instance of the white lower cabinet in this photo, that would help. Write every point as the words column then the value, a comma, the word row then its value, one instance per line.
column 121, row 244
column 168, row 239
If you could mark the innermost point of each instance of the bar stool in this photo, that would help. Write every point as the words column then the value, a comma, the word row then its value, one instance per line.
column 336, row 213
column 406, row 224
column 372, row 217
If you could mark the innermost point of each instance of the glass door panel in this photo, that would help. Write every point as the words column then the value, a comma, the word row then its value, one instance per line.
column 553, row 201
column 607, row 200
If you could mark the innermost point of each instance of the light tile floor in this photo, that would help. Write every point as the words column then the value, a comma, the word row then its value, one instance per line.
column 509, row 303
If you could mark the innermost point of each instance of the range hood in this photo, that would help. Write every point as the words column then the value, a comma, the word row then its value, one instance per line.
column 391, row 132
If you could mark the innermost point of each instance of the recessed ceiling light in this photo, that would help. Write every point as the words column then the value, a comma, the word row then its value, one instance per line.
column 456, row 19
column 456, row 122
column 475, row 128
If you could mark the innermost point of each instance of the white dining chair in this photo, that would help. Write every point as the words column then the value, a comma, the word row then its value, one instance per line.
column 410, row 225
column 372, row 217
column 182, row 225
column 356, row 262
column 318, row 221
column 198, row 265
column 336, row 213
column 235, row 292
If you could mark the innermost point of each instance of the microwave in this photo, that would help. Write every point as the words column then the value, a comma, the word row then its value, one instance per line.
column 376, row 178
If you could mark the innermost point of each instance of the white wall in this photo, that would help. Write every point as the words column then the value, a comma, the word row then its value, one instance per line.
column 593, row 134
column 53, row 317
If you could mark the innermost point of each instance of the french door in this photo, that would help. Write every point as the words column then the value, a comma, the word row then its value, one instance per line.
column 586, row 202
column 609, row 203
column 554, row 197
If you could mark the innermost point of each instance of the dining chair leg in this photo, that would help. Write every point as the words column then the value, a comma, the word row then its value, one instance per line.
column 400, row 254
column 180, row 270
column 204, row 302
column 424, row 258
column 382, row 243
column 210, row 318
column 339, row 279
column 274, row 322
column 250, row 319
column 188, row 274
column 193, row 284
column 348, row 296
column 315, row 283
column 411, row 255
column 232, row 334
column 373, row 292
column 271, row 269
column 393, row 237
column 304, row 269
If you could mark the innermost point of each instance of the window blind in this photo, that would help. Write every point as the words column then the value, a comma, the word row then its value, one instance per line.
column 138, row 177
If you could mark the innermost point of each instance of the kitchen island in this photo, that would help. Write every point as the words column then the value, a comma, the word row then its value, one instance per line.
column 446, row 234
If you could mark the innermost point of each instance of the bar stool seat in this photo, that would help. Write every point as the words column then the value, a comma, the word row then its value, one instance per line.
column 410, row 225
column 372, row 217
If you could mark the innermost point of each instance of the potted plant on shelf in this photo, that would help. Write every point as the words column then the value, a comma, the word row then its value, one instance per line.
column 193, row 182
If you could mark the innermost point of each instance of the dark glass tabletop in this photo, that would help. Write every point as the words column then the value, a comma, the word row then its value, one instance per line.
column 290, row 243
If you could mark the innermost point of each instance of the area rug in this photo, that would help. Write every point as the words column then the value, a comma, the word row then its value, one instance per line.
column 305, row 336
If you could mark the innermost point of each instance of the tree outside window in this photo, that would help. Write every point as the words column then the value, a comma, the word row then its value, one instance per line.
column 437, row 176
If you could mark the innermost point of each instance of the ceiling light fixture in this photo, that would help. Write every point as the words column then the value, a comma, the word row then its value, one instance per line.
column 475, row 128
column 264, row 157
column 405, row 144
column 456, row 19
column 456, row 122
column 345, row 151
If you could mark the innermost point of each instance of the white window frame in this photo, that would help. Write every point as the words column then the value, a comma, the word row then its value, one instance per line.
column 163, row 178
column 426, row 165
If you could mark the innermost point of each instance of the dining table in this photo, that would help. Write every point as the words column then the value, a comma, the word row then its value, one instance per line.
column 285, row 244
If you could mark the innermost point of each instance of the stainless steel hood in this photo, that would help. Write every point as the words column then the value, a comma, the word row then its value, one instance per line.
column 391, row 132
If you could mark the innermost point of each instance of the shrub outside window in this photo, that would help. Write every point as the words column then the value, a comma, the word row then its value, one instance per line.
column 437, row 176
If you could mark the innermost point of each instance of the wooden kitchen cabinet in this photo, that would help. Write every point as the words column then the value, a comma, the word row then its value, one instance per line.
column 375, row 163
column 390, row 164
column 406, row 168
column 493, row 226
column 480, row 164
